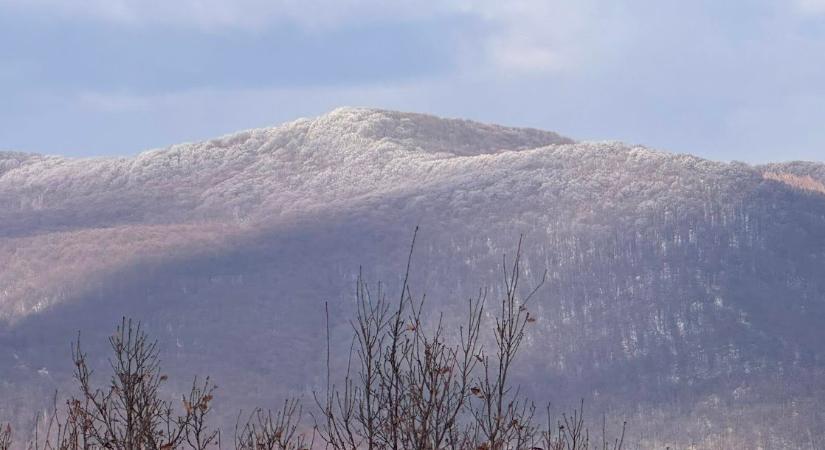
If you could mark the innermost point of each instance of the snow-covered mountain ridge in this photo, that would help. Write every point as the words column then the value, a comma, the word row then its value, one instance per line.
column 306, row 160
column 306, row 164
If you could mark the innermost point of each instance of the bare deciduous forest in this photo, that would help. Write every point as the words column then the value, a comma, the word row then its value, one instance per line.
column 410, row 383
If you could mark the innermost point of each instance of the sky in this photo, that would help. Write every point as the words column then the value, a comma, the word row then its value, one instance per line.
column 727, row 80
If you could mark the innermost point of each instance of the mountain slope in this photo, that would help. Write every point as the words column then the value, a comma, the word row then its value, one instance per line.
column 681, row 291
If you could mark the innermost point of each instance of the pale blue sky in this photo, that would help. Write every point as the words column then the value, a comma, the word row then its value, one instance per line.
column 724, row 79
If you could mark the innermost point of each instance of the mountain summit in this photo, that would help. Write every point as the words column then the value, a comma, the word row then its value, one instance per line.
column 686, row 294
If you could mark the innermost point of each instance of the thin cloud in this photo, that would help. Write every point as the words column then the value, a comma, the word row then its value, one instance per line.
column 545, row 36
column 813, row 7
column 521, row 35
column 225, row 14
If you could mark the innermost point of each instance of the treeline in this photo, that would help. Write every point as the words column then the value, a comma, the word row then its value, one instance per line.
column 410, row 384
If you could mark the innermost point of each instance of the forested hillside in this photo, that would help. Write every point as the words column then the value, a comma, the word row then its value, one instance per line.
column 684, row 294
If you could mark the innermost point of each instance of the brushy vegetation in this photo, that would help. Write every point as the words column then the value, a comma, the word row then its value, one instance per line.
column 410, row 384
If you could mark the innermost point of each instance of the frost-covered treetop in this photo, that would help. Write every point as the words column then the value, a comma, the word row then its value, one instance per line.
column 307, row 164
column 349, row 159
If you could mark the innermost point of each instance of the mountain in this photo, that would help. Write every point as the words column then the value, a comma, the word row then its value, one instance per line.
column 684, row 294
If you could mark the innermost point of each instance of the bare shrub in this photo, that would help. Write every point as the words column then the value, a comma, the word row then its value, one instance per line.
column 265, row 431
column 5, row 437
column 130, row 412
column 410, row 385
